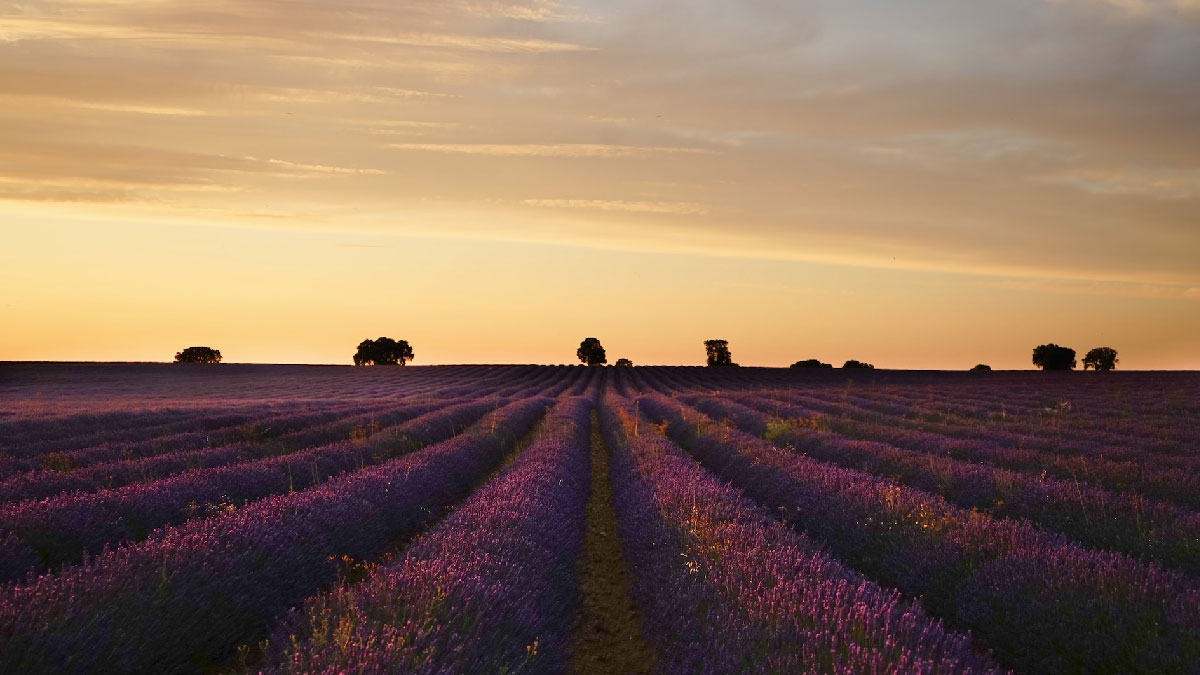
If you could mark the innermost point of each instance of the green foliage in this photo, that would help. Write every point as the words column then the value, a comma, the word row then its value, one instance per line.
column 362, row 432
column 58, row 461
column 383, row 352
column 781, row 428
column 253, row 432
column 198, row 355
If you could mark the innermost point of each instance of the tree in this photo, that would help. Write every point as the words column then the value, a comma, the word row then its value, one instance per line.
column 1052, row 357
column 198, row 355
column 811, row 363
column 718, row 353
column 383, row 352
column 982, row 367
column 591, row 353
column 1101, row 358
column 624, row 362
column 853, row 363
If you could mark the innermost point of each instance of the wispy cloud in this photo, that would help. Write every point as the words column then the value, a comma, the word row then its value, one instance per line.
column 537, row 10
column 585, row 150
column 674, row 208
column 1099, row 288
column 500, row 45
column 1155, row 183
column 1137, row 7
column 850, row 132
column 297, row 167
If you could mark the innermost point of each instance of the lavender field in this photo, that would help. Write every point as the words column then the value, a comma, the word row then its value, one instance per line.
column 547, row 519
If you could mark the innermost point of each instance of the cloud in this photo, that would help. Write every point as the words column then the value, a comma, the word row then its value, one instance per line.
column 1154, row 183
column 673, row 208
column 538, row 10
column 1099, row 288
column 450, row 41
column 1137, row 7
column 294, row 168
column 1050, row 139
column 577, row 150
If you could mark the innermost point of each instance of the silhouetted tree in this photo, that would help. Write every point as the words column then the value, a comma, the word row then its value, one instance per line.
column 1101, row 358
column 718, row 353
column 591, row 353
column 1052, row 357
column 811, row 363
column 624, row 362
column 198, row 355
column 852, row 363
column 982, row 367
column 383, row 352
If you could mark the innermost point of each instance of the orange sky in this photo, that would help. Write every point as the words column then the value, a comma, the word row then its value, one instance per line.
column 926, row 185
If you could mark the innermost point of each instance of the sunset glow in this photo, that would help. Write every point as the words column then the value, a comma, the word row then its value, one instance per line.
column 927, row 184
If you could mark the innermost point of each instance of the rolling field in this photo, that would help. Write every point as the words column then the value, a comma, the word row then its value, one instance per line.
column 545, row 519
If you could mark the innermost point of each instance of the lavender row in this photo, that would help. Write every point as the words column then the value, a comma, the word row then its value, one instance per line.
column 1155, row 412
column 253, row 426
column 1126, row 523
column 21, row 433
column 547, row 381
column 254, row 429
column 1101, row 403
column 198, row 422
column 188, row 596
column 1171, row 479
column 62, row 529
column 726, row 588
column 1044, row 604
column 1053, row 430
column 491, row 589
column 66, row 434
column 843, row 416
column 1070, row 423
column 999, row 424
column 266, row 443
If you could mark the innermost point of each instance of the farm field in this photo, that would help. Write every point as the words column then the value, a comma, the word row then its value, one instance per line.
column 546, row 519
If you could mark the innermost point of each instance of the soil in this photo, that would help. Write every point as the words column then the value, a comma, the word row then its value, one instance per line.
column 607, row 637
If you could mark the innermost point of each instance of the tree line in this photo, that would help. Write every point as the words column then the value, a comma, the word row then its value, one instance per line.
column 1052, row 357
column 386, row 351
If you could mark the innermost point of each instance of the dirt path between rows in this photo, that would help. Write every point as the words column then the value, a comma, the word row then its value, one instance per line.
column 607, row 637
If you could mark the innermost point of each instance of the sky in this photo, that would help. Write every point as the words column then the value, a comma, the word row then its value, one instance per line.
column 925, row 184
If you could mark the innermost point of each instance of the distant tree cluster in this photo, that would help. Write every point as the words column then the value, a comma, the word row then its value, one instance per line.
column 198, row 355
column 981, row 367
column 1101, row 358
column 718, row 354
column 852, row 364
column 591, row 353
column 624, row 363
column 1053, row 357
column 383, row 352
